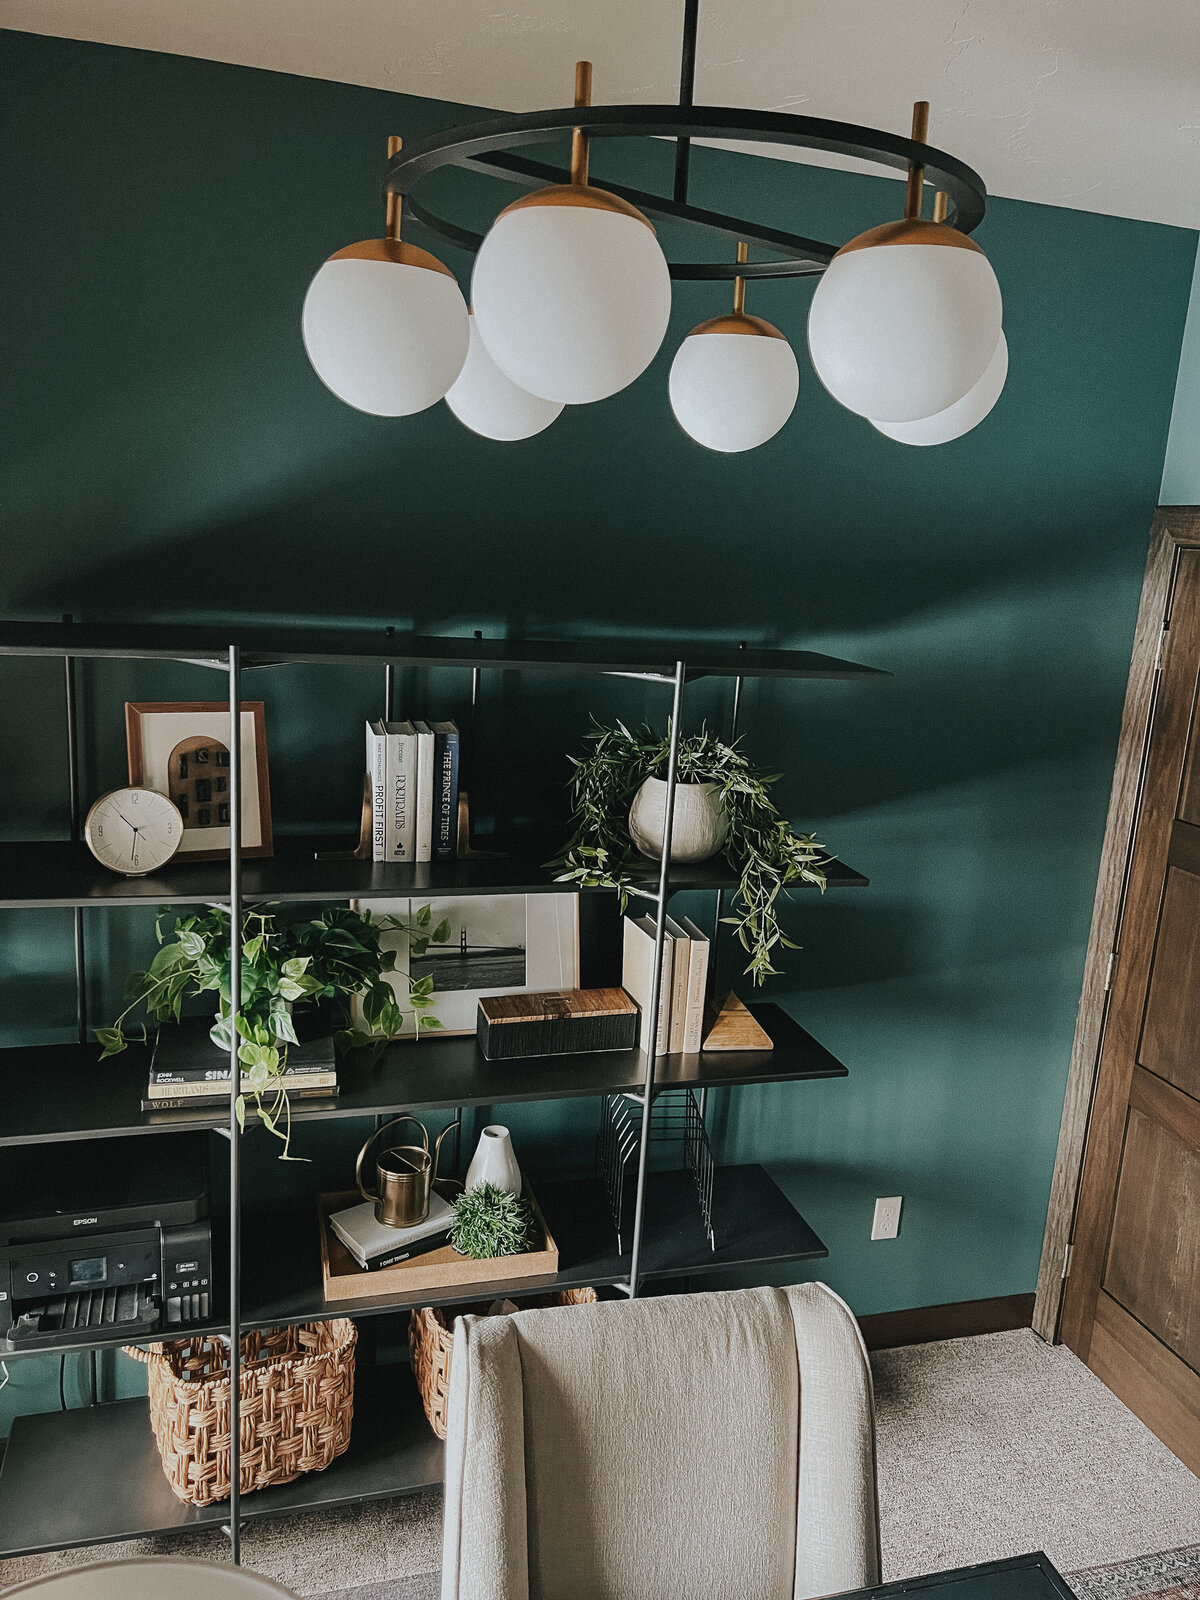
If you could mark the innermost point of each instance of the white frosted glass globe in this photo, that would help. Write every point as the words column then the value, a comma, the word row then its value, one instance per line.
column 904, row 321
column 733, row 383
column 385, row 327
column 485, row 401
column 963, row 415
column 571, row 299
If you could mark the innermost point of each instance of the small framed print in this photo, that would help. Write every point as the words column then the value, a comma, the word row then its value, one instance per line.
column 498, row 944
column 181, row 749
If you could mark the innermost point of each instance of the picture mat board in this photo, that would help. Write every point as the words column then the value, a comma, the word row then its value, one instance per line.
column 153, row 732
column 533, row 937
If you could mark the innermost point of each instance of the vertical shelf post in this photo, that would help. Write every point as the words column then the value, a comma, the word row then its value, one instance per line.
column 235, row 1088
column 660, row 930
column 718, row 910
column 81, row 1021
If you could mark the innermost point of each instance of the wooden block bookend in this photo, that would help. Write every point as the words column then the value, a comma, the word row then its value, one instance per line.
column 734, row 1028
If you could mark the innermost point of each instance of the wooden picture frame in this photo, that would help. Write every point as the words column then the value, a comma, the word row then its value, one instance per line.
column 159, row 731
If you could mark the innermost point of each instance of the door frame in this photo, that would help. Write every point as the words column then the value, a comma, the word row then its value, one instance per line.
column 1175, row 528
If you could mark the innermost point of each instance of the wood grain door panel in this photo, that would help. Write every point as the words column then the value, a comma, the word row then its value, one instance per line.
column 1132, row 1303
column 1153, row 1266
column 1150, row 1379
column 1171, row 1033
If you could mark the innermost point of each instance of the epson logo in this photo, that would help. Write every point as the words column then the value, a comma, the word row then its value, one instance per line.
column 84, row 1222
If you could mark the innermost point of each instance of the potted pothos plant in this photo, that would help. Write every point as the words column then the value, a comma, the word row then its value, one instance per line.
column 290, row 967
column 722, row 803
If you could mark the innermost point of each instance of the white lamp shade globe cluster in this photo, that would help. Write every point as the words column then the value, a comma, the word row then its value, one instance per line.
column 904, row 321
column 385, row 327
column 963, row 415
column 571, row 294
column 733, row 383
column 488, row 403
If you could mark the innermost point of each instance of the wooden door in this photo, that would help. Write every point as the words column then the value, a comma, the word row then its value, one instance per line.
column 1132, row 1305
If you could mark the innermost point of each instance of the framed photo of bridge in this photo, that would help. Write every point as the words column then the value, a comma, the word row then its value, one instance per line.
column 497, row 944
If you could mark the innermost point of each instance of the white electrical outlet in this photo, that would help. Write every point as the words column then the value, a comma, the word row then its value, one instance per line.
column 887, row 1217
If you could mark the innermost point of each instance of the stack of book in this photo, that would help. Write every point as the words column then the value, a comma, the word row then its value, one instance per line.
column 684, row 982
column 413, row 768
column 188, row 1072
column 375, row 1246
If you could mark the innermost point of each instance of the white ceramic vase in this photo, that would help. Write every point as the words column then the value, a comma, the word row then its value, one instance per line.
column 494, row 1162
column 699, row 826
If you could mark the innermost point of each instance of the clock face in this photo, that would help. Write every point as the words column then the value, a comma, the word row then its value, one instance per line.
column 133, row 831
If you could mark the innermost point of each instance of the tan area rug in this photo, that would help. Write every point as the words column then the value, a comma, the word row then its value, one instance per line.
column 1170, row 1575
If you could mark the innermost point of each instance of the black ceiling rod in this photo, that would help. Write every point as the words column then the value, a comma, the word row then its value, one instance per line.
column 687, row 90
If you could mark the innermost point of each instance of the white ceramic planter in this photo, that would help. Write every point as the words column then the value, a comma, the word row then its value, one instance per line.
column 699, row 826
column 494, row 1162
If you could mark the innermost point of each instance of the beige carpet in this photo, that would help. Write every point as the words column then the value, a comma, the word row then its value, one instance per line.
column 988, row 1447
column 995, row 1446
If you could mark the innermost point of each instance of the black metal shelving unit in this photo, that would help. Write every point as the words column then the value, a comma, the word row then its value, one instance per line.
column 52, row 1494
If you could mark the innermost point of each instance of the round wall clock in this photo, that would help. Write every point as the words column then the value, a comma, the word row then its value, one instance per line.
column 134, row 831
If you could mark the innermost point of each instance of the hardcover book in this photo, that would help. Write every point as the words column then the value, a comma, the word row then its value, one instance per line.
column 636, row 971
column 424, row 796
column 184, row 1053
column 693, row 1028
column 400, row 823
column 374, row 1245
column 445, row 806
column 377, row 768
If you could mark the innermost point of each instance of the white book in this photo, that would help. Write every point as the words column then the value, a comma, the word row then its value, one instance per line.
column 681, row 958
column 637, row 970
column 365, row 1238
column 377, row 767
column 697, row 992
column 400, row 833
column 424, row 807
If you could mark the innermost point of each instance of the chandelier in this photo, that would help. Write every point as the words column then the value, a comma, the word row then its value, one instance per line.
column 571, row 291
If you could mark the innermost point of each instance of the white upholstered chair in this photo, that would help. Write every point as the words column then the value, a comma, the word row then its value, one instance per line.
column 693, row 1447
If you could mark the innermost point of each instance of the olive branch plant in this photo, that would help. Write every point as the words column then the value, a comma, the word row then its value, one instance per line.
column 759, row 844
column 331, row 957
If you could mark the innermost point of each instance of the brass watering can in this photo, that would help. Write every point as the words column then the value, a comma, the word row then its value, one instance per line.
column 404, row 1176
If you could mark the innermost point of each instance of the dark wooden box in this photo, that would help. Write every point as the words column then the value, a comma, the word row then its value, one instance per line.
column 557, row 1022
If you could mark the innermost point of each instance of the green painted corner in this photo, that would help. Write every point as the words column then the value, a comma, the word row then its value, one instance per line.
column 170, row 453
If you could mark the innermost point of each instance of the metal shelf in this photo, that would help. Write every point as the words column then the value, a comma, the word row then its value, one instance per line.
column 92, row 1476
column 273, row 646
column 53, row 873
column 94, row 1099
column 756, row 1224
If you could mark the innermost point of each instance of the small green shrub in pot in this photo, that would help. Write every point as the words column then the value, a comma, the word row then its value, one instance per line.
column 492, row 1222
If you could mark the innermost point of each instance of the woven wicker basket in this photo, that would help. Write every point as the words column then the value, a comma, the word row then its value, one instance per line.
column 297, row 1404
column 431, row 1342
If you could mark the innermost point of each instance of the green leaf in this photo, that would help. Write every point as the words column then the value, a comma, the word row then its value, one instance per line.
column 424, row 916
column 113, row 1040
column 239, row 1106
column 429, row 1022
column 442, row 932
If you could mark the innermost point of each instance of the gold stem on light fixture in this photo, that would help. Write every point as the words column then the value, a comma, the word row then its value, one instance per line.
column 739, row 284
column 393, row 200
column 579, row 139
column 916, row 174
column 941, row 204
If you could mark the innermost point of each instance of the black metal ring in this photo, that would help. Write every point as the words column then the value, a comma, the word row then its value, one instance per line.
column 485, row 146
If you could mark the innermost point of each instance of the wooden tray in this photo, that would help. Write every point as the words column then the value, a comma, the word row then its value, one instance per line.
column 343, row 1279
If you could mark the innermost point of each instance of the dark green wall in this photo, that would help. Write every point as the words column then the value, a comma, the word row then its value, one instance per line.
column 169, row 453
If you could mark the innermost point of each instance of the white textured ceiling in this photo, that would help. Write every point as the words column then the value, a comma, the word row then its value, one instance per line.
column 1093, row 104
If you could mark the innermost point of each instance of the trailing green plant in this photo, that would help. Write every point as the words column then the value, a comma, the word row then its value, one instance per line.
column 334, row 957
column 492, row 1222
column 759, row 845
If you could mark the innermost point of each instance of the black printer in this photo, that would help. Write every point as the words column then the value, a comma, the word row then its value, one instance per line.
column 104, row 1236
